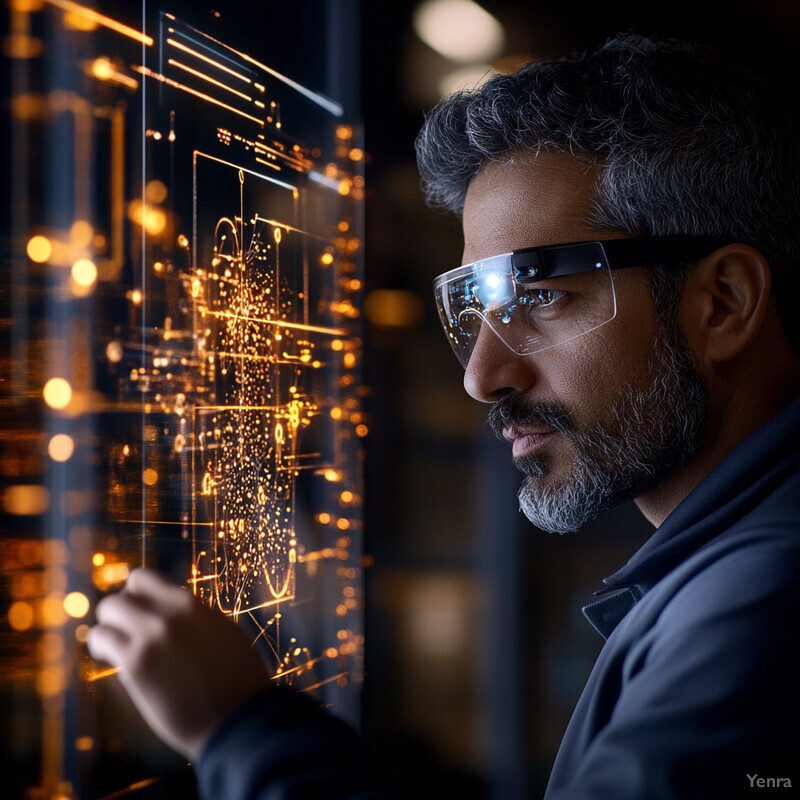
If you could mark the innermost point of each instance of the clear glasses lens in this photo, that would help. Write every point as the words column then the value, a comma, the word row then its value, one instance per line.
column 527, row 318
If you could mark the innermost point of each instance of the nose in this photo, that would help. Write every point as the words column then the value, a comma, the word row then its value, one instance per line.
column 494, row 370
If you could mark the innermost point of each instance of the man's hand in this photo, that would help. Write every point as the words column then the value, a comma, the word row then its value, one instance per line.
column 185, row 666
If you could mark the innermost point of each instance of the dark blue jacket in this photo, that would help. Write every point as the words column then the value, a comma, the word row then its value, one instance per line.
column 696, row 693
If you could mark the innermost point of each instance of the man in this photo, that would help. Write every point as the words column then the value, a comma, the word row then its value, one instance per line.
column 628, row 305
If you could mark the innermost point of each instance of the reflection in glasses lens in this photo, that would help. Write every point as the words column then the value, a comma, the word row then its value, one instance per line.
column 527, row 318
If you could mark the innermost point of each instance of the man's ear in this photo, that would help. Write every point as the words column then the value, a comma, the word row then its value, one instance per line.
column 725, row 301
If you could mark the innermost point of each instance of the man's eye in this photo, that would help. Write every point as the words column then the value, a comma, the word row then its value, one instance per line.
column 539, row 298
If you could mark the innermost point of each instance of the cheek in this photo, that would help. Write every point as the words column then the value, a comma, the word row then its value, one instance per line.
column 577, row 374
column 589, row 373
column 628, row 340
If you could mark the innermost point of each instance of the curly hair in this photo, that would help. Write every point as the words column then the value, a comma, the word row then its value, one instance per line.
column 682, row 143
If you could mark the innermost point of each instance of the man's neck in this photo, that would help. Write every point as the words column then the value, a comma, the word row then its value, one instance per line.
column 730, row 428
column 658, row 503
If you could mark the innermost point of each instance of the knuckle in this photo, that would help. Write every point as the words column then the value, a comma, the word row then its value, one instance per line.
column 107, row 606
column 135, row 578
column 94, row 641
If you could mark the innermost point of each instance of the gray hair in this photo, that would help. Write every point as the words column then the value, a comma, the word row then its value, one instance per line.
column 682, row 142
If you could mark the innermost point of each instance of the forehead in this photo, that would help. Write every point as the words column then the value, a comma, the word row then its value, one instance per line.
column 527, row 200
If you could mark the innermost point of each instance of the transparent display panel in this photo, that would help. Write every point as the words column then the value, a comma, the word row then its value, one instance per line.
column 180, row 369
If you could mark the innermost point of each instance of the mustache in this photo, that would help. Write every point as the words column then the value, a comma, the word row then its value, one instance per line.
column 515, row 410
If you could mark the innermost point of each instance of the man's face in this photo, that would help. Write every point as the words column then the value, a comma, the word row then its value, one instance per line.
column 599, row 419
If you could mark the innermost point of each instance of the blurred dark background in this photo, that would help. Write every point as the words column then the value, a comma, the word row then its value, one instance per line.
column 476, row 646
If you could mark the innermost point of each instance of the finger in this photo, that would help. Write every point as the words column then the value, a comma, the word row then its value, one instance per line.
column 107, row 644
column 127, row 612
column 150, row 584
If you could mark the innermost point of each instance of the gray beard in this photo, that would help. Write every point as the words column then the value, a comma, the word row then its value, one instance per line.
column 648, row 433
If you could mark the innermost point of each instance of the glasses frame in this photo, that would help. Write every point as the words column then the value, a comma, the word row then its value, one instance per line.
column 531, row 265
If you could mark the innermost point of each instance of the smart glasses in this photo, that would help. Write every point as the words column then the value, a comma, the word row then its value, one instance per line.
column 540, row 297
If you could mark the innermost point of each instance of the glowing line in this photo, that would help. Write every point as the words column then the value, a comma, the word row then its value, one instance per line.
column 327, row 680
column 329, row 105
column 261, row 148
column 213, row 81
column 327, row 182
column 134, row 787
column 280, row 323
column 101, row 19
column 295, row 467
column 268, row 164
column 102, row 673
column 211, row 61
column 300, row 668
column 170, row 82
column 277, row 601
column 115, row 75
column 202, row 44
column 289, row 228
column 326, row 103
column 248, row 171
column 262, row 631
column 117, row 181
column 275, row 224
column 163, row 522
column 203, row 578
column 145, row 292
column 241, row 407
column 283, row 594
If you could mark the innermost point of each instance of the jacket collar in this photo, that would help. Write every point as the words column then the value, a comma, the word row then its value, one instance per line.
column 742, row 480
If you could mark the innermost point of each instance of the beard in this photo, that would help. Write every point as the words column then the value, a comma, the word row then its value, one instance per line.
column 646, row 434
